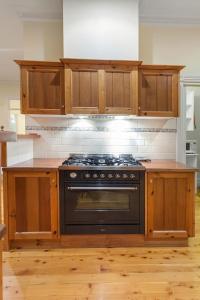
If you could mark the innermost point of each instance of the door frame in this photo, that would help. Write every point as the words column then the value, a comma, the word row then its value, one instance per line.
column 185, row 82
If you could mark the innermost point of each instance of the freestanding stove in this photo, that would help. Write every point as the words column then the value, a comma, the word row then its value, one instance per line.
column 101, row 194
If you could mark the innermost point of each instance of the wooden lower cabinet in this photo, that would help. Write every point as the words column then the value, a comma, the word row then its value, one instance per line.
column 170, row 205
column 32, row 205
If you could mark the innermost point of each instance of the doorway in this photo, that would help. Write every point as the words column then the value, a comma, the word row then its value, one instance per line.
column 189, row 125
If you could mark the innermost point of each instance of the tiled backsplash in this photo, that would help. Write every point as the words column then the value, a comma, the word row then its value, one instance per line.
column 152, row 138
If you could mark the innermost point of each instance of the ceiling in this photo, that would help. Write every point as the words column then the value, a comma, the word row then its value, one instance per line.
column 170, row 11
column 14, row 12
column 178, row 11
column 38, row 9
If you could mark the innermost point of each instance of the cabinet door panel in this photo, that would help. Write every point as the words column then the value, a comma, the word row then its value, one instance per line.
column 33, row 205
column 120, row 90
column 42, row 88
column 85, row 89
column 44, row 91
column 164, row 93
column 158, row 93
column 170, row 205
column 167, row 192
column 117, row 89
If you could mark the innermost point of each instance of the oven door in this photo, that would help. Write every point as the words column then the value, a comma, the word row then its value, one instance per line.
column 97, row 204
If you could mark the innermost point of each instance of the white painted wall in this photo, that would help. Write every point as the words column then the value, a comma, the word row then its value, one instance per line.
column 171, row 44
column 101, row 29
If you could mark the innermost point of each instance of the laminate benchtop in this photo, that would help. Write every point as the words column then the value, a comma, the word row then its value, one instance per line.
column 167, row 165
column 38, row 164
column 49, row 164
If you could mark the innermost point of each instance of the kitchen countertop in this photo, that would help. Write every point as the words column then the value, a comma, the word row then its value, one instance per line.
column 53, row 164
column 167, row 165
column 38, row 164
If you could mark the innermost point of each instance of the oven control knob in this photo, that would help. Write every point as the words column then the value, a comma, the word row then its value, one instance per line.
column 117, row 175
column 87, row 175
column 110, row 175
column 73, row 175
column 95, row 175
column 132, row 176
column 102, row 175
column 125, row 176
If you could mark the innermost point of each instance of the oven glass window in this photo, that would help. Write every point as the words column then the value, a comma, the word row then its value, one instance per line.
column 103, row 200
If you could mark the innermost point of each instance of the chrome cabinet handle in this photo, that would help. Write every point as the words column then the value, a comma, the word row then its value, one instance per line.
column 110, row 188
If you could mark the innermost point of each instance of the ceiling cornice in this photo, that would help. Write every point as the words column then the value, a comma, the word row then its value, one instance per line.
column 170, row 20
column 141, row 4
column 38, row 17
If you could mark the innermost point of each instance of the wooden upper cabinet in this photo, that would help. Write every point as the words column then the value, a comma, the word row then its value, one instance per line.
column 82, row 91
column 33, row 205
column 170, row 205
column 159, row 90
column 83, row 86
column 42, row 87
column 121, row 91
column 101, row 86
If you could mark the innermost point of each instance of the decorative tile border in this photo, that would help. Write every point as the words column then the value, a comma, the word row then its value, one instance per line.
column 99, row 128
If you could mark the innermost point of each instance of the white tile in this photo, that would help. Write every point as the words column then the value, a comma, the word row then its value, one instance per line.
column 117, row 139
column 157, row 123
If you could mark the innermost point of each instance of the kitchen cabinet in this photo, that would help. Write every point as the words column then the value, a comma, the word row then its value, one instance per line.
column 158, row 90
column 170, row 205
column 101, row 86
column 121, row 91
column 2, row 232
column 31, row 204
column 42, row 87
column 83, row 86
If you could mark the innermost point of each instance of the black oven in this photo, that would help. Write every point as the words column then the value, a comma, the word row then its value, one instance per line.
column 100, row 204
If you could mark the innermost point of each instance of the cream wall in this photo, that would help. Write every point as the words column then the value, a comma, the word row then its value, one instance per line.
column 43, row 40
column 171, row 44
column 9, row 90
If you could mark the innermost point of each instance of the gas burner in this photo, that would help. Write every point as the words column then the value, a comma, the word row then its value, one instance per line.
column 94, row 160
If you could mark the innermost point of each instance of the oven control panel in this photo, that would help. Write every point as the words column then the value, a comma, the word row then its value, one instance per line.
column 98, row 175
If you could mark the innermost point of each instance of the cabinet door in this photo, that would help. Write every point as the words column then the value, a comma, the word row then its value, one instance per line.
column 42, row 90
column 158, row 93
column 121, row 91
column 82, row 91
column 33, row 205
column 170, row 205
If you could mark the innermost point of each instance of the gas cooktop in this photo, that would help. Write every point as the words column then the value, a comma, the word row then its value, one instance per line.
column 98, row 160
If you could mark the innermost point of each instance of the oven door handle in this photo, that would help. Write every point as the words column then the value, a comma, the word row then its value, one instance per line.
column 108, row 188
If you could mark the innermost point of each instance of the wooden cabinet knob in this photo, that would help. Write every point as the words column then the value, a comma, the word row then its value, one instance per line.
column 12, row 215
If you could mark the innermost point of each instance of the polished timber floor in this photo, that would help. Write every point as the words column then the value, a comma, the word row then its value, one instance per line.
column 105, row 274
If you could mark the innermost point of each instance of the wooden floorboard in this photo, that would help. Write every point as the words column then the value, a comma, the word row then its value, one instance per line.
column 105, row 273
